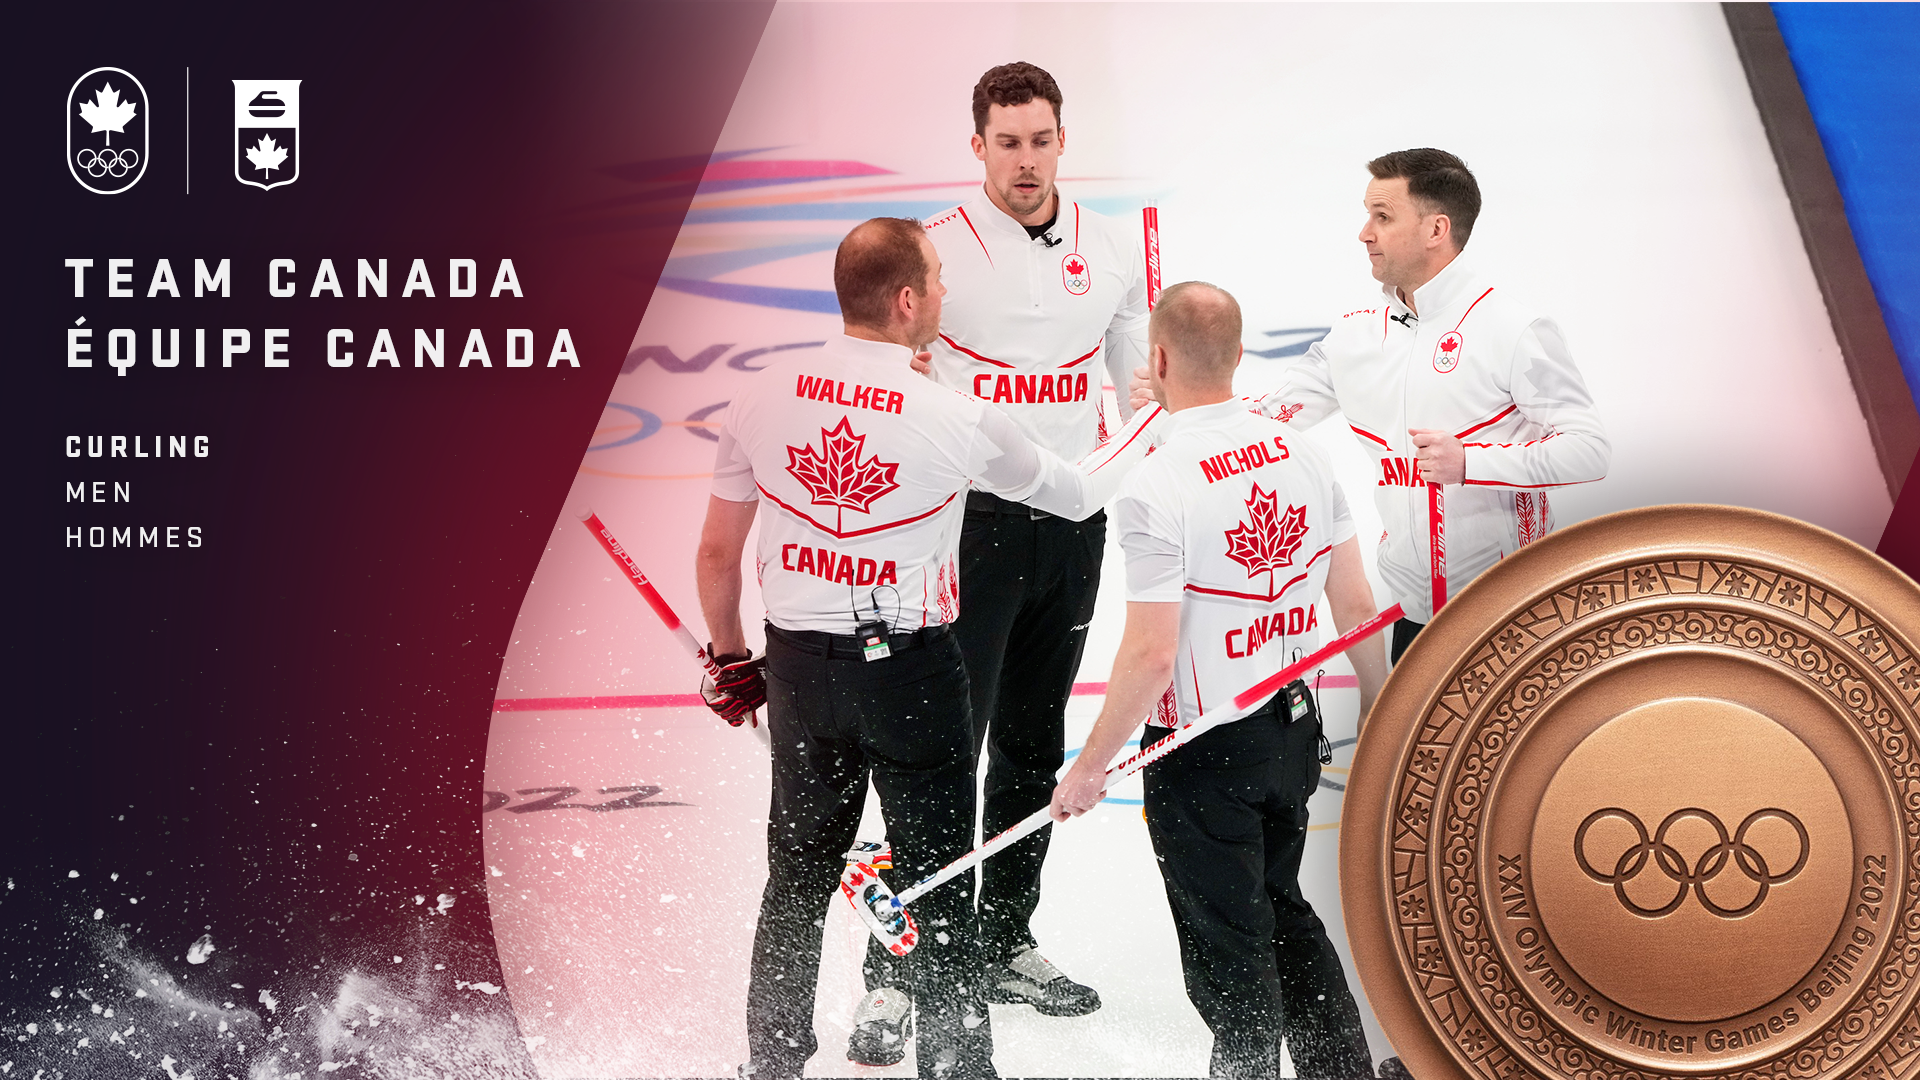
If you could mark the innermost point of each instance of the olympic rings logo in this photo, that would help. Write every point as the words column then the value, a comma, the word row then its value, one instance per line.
column 107, row 162
column 1669, row 861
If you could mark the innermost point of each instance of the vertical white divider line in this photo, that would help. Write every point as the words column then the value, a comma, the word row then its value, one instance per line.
column 189, row 131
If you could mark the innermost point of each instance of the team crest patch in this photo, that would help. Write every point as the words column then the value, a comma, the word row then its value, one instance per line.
column 1446, row 355
column 1075, row 274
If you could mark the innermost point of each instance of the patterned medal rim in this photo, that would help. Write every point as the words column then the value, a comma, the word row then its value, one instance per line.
column 1485, row 609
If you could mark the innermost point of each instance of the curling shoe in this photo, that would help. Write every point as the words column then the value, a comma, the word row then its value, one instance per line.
column 1030, row 979
column 881, row 1027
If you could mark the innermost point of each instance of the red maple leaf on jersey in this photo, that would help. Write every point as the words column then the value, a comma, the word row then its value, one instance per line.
column 1074, row 267
column 1449, row 344
column 947, row 591
column 837, row 477
column 1268, row 538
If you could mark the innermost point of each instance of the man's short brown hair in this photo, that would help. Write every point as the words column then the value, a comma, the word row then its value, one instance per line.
column 1199, row 323
column 875, row 261
column 1437, row 180
column 1013, row 84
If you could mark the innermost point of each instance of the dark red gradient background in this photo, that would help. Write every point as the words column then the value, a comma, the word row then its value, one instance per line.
column 224, row 727
column 1900, row 542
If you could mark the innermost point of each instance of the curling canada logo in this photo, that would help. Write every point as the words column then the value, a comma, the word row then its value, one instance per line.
column 1446, row 355
column 266, row 132
column 1075, row 274
column 107, row 131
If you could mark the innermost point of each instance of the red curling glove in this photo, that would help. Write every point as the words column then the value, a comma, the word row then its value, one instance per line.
column 741, row 688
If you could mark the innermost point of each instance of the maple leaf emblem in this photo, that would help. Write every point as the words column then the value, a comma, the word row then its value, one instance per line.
column 1268, row 538
column 106, row 112
column 837, row 477
column 265, row 155
column 1075, row 267
column 1448, row 344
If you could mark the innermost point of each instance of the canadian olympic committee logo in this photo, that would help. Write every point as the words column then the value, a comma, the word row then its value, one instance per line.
column 107, row 130
column 1730, row 851
column 1075, row 274
column 1446, row 355
column 266, row 132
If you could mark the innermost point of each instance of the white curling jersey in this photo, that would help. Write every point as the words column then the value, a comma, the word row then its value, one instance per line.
column 862, row 463
column 1235, row 518
column 1035, row 325
column 1474, row 363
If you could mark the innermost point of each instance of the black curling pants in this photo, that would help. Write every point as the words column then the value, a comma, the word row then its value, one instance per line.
column 1227, row 814
column 836, row 720
column 1404, row 631
column 1027, row 588
column 1027, row 585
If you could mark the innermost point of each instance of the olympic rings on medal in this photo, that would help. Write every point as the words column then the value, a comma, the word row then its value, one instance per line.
column 107, row 162
column 1670, row 862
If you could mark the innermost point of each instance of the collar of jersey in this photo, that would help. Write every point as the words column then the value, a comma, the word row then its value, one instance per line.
column 1448, row 288
column 994, row 219
column 1202, row 416
column 848, row 347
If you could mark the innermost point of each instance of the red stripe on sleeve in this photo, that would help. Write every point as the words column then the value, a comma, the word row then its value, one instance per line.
column 1504, row 484
column 1114, row 451
column 1501, row 415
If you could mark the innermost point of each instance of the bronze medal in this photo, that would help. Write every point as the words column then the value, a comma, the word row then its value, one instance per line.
column 1644, row 801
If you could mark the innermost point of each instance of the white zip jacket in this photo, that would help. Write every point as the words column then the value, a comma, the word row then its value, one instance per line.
column 863, row 463
column 1476, row 363
column 1235, row 519
column 1029, row 322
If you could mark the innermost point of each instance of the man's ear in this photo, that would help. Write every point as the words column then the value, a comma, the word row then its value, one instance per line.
column 1239, row 355
column 903, row 302
column 1060, row 137
column 1442, row 231
column 979, row 147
